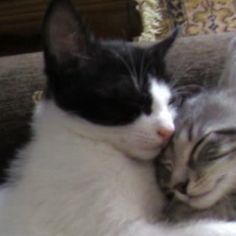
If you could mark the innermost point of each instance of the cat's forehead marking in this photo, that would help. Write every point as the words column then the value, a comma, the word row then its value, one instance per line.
column 161, row 111
column 188, row 130
column 187, row 133
column 184, row 140
column 160, row 92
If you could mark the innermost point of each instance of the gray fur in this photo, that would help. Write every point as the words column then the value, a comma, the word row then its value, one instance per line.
column 197, row 170
column 207, row 112
column 224, row 210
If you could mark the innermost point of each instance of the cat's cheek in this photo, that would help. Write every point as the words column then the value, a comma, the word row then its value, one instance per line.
column 141, row 140
column 145, row 154
column 135, row 149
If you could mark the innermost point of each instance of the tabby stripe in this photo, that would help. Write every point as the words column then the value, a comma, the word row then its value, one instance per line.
column 227, row 131
column 198, row 144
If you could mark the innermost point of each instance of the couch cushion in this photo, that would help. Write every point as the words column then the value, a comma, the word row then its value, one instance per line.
column 20, row 77
column 195, row 17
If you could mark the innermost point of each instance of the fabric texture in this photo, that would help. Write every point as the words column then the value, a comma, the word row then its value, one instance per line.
column 20, row 77
column 209, row 16
column 155, row 19
column 194, row 16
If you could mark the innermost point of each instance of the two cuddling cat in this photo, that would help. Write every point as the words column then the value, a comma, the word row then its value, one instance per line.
column 88, row 169
column 196, row 170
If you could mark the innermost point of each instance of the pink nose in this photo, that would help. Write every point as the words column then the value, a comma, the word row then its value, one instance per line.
column 165, row 133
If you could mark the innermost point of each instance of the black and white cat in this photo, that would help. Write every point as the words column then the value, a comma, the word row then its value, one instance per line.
column 87, row 170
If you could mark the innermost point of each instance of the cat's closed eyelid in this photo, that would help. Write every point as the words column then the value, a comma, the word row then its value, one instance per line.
column 199, row 143
column 225, row 154
column 227, row 131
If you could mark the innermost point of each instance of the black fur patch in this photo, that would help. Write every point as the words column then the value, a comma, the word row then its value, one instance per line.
column 105, row 82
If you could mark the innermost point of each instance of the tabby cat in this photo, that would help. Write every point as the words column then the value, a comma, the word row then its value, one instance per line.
column 197, row 170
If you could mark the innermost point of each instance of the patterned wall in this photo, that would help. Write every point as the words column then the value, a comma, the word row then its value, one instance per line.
column 208, row 16
column 195, row 16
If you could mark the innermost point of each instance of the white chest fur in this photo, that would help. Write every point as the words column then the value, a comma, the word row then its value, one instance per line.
column 69, row 184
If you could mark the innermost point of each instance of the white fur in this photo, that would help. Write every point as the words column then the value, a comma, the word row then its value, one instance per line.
column 76, row 179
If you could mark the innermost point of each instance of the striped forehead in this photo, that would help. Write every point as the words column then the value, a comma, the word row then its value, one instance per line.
column 160, row 92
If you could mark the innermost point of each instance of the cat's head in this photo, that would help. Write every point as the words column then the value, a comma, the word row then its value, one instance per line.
column 198, row 166
column 113, row 86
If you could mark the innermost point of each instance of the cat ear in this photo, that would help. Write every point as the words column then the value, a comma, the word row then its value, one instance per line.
column 158, row 52
column 63, row 33
column 160, row 49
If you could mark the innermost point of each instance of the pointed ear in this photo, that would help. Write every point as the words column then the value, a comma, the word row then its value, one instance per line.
column 160, row 49
column 63, row 33
column 158, row 52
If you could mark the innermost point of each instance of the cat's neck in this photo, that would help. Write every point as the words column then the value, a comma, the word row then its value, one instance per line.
column 64, row 144
column 65, row 160
column 50, row 120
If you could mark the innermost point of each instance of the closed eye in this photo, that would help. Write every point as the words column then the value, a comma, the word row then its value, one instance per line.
column 197, row 146
column 220, row 145
column 221, row 155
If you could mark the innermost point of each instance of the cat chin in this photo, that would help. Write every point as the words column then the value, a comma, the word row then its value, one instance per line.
column 135, row 150
column 144, row 154
column 138, row 149
column 201, row 202
column 204, row 200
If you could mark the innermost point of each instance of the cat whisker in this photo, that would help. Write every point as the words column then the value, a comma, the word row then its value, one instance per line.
column 135, row 77
column 142, row 68
column 149, row 61
column 130, row 70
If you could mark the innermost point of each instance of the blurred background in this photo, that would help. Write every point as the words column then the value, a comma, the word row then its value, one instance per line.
column 20, row 22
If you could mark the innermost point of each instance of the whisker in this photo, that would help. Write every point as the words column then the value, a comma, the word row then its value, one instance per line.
column 142, row 72
column 149, row 61
column 126, row 64
column 135, row 79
